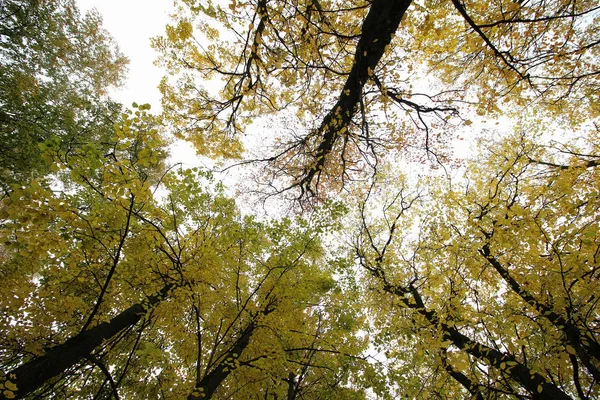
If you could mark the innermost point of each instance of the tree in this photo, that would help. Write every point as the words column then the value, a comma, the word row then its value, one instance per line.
column 64, row 253
column 133, row 279
column 56, row 67
column 108, row 286
column 497, row 286
column 370, row 79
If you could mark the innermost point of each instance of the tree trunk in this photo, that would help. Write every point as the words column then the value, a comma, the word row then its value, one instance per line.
column 529, row 380
column 378, row 28
column 461, row 378
column 33, row 374
column 291, row 381
column 584, row 346
column 208, row 385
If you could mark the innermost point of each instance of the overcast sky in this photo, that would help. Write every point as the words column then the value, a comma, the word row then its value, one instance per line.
column 132, row 23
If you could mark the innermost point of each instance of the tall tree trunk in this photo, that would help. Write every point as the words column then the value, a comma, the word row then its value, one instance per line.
column 291, row 381
column 529, row 380
column 33, row 374
column 378, row 28
column 208, row 385
column 584, row 345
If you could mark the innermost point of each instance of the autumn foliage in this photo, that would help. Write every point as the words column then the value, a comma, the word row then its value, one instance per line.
column 401, row 264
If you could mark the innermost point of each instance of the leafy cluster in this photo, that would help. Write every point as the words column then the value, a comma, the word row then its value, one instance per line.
column 55, row 69
column 496, row 285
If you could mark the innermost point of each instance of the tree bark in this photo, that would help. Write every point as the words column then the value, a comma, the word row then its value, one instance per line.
column 208, row 385
column 377, row 31
column 33, row 374
column 291, row 381
column 461, row 378
column 531, row 381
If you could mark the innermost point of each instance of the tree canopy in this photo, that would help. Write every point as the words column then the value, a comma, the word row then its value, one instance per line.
column 396, row 268
column 495, row 285
column 369, row 79
column 55, row 69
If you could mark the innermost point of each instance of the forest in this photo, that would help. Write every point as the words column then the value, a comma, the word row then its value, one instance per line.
column 397, row 199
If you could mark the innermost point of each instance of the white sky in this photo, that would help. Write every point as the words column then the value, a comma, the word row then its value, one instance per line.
column 132, row 23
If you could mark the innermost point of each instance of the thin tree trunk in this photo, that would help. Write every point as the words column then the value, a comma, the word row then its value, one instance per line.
column 529, row 380
column 208, row 385
column 584, row 346
column 291, row 381
column 461, row 378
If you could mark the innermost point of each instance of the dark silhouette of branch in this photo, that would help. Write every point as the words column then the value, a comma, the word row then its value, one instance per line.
column 35, row 373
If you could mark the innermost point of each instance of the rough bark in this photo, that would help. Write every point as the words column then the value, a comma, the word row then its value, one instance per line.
column 377, row 31
column 584, row 346
column 33, row 374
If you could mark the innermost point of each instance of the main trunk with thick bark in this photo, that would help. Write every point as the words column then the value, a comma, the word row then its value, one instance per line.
column 33, row 374
column 377, row 31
